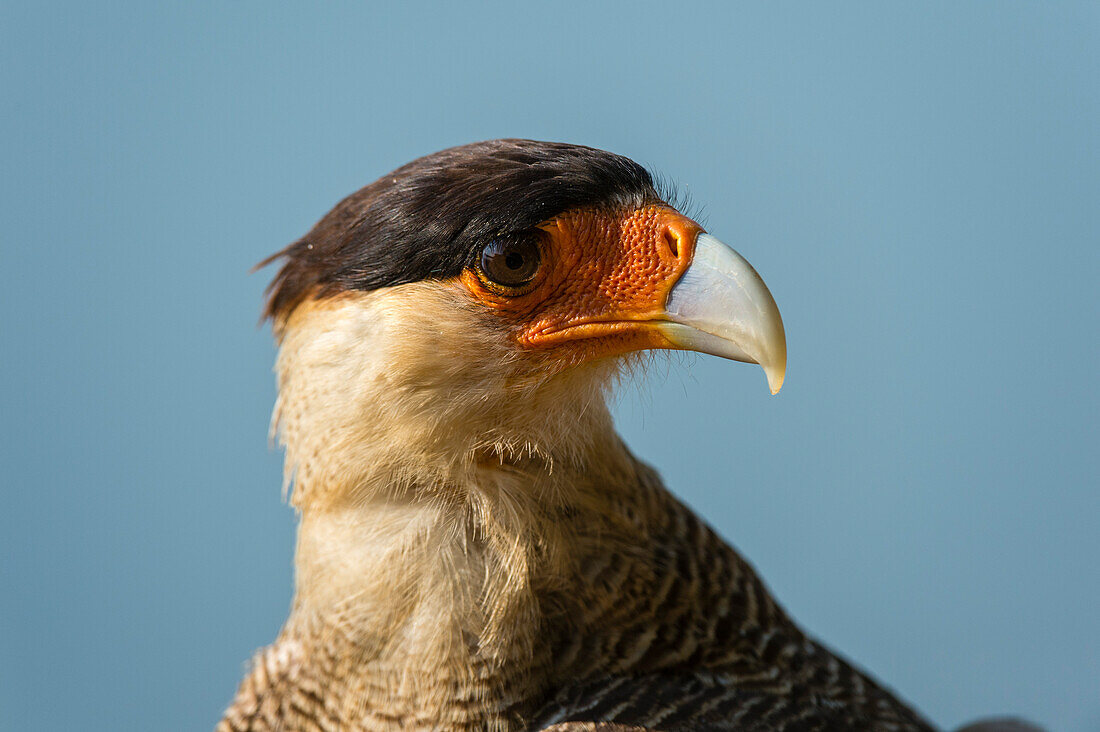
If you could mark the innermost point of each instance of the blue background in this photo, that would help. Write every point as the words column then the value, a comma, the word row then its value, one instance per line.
column 918, row 183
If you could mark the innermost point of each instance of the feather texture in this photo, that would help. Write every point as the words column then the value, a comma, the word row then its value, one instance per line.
column 479, row 551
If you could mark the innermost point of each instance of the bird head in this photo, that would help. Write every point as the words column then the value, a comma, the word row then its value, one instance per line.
column 479, row 290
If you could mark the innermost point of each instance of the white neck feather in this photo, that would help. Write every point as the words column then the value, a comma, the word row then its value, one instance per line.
column 431, row 464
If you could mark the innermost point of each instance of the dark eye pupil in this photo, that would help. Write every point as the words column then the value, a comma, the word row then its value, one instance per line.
column 510, row 262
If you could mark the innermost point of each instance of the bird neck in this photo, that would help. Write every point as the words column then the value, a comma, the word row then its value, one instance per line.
column 426, row 575
column 432, row 595
column 446, row 498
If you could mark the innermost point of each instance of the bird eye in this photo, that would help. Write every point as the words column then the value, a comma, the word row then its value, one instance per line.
column 510, row 262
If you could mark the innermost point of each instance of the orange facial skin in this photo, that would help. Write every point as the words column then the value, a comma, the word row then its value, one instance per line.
column 603, row 282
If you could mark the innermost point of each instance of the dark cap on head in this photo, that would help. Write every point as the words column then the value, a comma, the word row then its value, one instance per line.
column 429, row 218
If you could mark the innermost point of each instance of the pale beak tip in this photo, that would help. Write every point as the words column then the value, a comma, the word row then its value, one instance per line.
column 775, row 366
column 775, row 383
column 775, row 378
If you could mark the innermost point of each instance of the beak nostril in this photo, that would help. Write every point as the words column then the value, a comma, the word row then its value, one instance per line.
column 673, row 242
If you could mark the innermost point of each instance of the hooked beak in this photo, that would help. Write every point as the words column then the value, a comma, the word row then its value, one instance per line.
column 721, row 306
column 647, row 278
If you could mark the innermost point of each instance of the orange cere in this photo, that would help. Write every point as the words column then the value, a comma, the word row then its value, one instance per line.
column 604, row 281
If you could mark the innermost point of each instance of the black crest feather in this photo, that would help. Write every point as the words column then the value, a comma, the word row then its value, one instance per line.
column 429, row 218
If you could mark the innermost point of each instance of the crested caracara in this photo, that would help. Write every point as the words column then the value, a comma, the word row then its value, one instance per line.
column 478, row 549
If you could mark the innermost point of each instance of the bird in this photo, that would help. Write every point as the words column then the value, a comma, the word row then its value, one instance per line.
column 477, row 548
